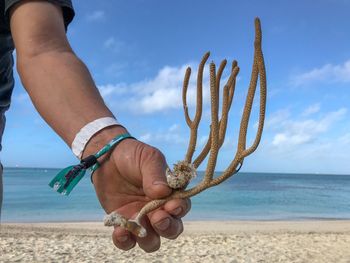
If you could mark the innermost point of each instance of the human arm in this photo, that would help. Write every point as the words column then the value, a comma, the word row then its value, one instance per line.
column 63, row 92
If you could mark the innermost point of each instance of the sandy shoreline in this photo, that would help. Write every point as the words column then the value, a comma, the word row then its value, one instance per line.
column 231, row 241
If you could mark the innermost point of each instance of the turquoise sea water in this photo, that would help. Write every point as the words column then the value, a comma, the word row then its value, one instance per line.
column 246, row 196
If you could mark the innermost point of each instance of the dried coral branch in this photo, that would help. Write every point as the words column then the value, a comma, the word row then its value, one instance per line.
column 185, row 170
column 214, row 134
column 193, row 125
column 230, row 86
column 218, row 77
column 184, row 93
column 257, row 71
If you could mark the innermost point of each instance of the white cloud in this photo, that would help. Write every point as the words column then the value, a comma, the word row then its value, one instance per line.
column 305, row 144
column 174, row 127
column 172, row 138
column 291, row 139
column 161, row 93
column 109, row 42
column 97, row 15
column 345, row 139
column 114, row 45
column 280, row 138
column 109, row 90
column 160, row 99
column 328, row 73
column 298, row 132
column 145, row 137
column 172, row 135
column 312, row 109
column 116, row 69
column 276, row 118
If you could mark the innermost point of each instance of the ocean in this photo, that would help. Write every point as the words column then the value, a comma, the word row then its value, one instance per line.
column 246, row 196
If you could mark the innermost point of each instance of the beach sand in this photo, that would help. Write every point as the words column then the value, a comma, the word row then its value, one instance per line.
column 236, row 241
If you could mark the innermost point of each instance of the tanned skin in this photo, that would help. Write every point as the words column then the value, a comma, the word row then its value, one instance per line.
column 62, row 90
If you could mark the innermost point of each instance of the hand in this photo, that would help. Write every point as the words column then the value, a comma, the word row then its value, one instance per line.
column 132, row 175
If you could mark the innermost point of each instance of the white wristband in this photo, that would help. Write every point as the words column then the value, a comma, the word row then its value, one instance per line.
column 89, row 130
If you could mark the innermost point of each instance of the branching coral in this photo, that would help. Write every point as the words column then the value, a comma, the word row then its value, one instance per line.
column 185, row 170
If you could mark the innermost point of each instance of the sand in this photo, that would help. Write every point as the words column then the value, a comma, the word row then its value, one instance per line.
column 279, row 241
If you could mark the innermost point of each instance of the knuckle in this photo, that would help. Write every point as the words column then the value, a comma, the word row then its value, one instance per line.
column 154, row 154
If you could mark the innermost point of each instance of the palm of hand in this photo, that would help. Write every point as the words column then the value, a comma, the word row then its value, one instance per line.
column 130, row 177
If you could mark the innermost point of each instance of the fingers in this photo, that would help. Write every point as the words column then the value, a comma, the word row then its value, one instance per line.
column 153, row 167
column 178, row 207
column 165, row 225
column 163, row 222
column 151, row 242
column 122, row 239
column 167, row 222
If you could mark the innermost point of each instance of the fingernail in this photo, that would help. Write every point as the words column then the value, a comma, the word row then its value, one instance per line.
column 177, row 211
column 163, row 224
column 160, row 183
column 123, row 238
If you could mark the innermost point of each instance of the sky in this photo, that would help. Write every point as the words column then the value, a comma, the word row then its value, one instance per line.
column 137, row 52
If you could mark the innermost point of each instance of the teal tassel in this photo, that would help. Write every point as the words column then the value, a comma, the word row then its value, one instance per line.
column 68, row 178
column 64, row 184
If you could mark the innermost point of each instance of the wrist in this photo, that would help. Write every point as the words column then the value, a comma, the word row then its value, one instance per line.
column 101, row 138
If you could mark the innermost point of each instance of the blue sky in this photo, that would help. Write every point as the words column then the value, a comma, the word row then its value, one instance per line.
column 137, row 52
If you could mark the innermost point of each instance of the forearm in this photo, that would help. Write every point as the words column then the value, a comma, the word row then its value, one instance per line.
column 58, row 83
column 62, row 91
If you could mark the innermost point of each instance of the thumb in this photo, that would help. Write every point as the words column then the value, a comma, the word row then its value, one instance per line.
column 153, row 168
